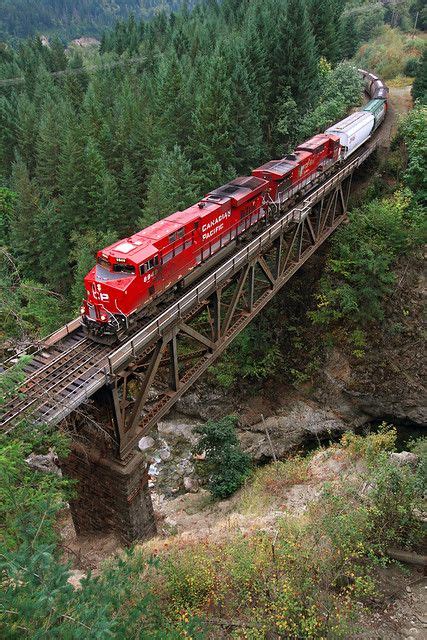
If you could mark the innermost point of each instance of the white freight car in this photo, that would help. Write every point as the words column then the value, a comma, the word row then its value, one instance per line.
column 353, row 131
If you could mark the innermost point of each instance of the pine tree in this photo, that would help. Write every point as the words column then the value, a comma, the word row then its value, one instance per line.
column 130, row 200
column 130, row 125
column 211, row 147
column 57, row 60
column 53, row 121
column 101, row 192
column 76, row 81
column 324, row 19
column 259, row 64
column 244, row 113
column 7, row 202
column 54, row 268
column 298, row 54
column 72, row 179
column 8, row 133
column 26, row 129
column 170, row 106
column 419, row 88
column 170, row 187
column 23, row 227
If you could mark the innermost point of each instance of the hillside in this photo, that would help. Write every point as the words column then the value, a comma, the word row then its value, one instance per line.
column 24, row 18
column 284, row 483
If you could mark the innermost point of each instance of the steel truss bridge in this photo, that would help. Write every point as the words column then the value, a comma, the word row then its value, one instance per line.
column 141, row 379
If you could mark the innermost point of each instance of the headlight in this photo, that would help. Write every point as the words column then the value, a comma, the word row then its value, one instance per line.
column 82, row 310
column 103, row 317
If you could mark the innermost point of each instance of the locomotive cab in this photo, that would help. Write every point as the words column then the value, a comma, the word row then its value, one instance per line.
column 113, row 285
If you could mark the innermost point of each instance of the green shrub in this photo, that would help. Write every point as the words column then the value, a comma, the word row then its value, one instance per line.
column 359, row 272
column 371, row 445
column 389, row 53
column 393, row 499
column 419, row 89
column 253, row 355
column 413, row 131
column 411, row 67
column 226, row 466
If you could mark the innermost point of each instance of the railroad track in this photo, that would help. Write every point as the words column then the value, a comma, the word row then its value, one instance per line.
column 52, row 375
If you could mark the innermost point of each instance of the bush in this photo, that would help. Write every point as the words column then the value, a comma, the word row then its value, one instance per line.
column 391, row 511
column 313, row 575
column 389, row 53
column 253, row 355
column 419, row 89
column 359, row 272
column 413, row 131
column 411, row 67
column 226, row 466
column 370, row 446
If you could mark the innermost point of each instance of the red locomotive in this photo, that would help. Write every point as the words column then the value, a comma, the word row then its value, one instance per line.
column 132, row 273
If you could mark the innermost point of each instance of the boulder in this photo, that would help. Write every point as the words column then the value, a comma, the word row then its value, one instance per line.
column 205, row 403
column 288, row 430
column 404, row 458
column 147, row 442
column 75, row 578
column 47, row 463
column 191, row 484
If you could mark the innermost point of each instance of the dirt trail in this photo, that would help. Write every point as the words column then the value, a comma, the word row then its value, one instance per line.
column 400, row 103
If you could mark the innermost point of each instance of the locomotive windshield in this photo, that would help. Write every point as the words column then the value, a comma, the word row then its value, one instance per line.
column 116, row 268
column 123, row 268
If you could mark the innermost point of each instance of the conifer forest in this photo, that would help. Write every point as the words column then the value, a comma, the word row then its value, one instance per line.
column 96, row 146
column 280, row 494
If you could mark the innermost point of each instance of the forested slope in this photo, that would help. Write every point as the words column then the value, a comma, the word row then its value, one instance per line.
column 23, row 18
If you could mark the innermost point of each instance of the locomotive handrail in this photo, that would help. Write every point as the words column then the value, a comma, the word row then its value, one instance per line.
column 157, row 327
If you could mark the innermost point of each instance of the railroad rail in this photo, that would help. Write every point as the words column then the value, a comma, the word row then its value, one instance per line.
column 68, row 369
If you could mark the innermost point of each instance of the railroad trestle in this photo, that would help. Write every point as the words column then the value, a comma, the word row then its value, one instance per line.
column 149, row 378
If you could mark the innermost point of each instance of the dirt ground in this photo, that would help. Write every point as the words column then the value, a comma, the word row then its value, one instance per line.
column 400, row 103
column 402, row 611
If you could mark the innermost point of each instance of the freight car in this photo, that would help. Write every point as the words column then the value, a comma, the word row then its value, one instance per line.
column 378, row 108
column 132, row 274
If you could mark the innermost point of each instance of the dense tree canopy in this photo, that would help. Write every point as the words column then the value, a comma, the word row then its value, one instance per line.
column 22, row 18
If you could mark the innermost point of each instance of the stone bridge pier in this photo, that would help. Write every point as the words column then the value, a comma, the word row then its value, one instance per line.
column 109, row 494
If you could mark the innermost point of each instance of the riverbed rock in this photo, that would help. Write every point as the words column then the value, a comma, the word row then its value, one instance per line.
column 191, row 484
column 146, row 443
column 205, row 403
column 404, row 458
column 294, row 425
column 178, row 430
column 47, row 463
column 75, row 578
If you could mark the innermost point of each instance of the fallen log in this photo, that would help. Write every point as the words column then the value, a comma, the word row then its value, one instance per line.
column 408, row 557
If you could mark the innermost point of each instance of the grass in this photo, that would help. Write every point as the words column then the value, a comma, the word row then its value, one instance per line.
column 400, row 82
column 270, row 483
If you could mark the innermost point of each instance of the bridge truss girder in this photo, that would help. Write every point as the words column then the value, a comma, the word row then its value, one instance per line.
column 148, row 386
